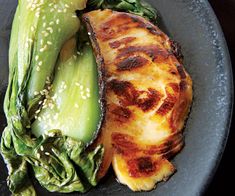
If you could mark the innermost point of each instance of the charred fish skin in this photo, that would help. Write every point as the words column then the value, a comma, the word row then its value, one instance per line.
column 148, row 95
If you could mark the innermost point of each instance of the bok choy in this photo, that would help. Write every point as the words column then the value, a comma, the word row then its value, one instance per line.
column 43, row 40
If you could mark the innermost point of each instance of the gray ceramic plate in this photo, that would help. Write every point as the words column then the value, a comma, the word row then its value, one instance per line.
column 193, row 24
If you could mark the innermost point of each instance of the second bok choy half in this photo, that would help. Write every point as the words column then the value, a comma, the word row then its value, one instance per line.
column 52, row 103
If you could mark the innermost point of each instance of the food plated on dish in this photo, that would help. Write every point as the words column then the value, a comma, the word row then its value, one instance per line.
column 73, row 108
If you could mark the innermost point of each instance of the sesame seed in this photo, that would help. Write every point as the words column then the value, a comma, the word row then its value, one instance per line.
column 36, row 93
column 44, row 24
column 89, row 33
column 47, row 153
column 37, row 111
column 87, row 89
column 37, row 14
column 88, row 95
column 38, row 155
column 40, row 63
column 81, row 87
column 66, row 5
column 51, row 23
column 43, row 49
column 32, row 28
column 59, row 10
column 40, row 102
column 41, row 148
column 39, row 119
column 76, row 105
column 65, row 10
column 84, row 97
column 38, row 68
column 51, row 134
column 57, row 21
column 50, row 29
column 49, row 43
column 44, row 17
column 52, row 10
column 36, row 57
column 74, row 16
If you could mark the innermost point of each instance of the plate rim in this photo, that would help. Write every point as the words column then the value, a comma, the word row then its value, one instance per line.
column 206, row 181
column 230, row 108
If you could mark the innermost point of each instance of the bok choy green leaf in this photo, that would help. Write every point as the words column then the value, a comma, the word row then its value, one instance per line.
column 137, row 7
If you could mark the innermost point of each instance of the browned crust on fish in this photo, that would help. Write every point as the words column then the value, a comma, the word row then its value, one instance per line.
column 146, row 87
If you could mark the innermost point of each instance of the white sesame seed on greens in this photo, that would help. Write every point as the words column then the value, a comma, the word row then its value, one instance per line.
column 41, row 148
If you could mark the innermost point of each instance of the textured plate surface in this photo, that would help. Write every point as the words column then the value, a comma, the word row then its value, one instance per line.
column 193, row 24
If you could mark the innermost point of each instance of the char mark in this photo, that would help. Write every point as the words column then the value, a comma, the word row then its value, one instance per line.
column 131, row 62
column 129, row 96
column 124, row 144
column 166, row 146
column 121, row 114
column 153, row 51
column 172, row 91
column 141, row 167
column 123, row 41
column 122, row 22
column 148, row 103
column 115, row 26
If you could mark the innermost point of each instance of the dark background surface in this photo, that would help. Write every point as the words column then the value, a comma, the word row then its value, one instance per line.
column 223, row 183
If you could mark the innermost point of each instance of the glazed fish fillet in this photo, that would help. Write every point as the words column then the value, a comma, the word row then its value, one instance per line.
column 148, row 97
